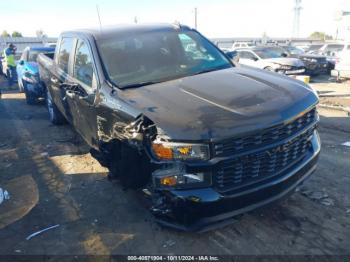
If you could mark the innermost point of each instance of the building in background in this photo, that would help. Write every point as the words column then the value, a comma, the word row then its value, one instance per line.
column 342, row 19
column 23, row 42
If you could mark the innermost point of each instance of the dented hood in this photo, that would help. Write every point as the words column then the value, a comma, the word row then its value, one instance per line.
column 220, row 104
column 286, row 61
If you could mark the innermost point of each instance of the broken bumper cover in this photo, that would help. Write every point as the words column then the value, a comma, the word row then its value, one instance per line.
column 206, row 208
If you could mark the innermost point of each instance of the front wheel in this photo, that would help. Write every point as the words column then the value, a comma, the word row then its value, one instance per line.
column 30, row 97
column 55, row 115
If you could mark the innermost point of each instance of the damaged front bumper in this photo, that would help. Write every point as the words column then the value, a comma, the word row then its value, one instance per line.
column 203, row 209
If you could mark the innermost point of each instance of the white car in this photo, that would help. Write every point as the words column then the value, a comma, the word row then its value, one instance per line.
column 229, row 46
column 238, row 45
column 342, row 65
column 269, row 58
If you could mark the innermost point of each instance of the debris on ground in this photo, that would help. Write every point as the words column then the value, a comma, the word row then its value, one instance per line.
column 314, row 195
column 41, row 231
column 327, row 202
column 346, row 143
column 4, row 195
column 320, row 196
column 169, row 243
column 44, row 154
column 347, row 211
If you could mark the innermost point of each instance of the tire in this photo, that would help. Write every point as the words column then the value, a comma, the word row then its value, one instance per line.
column 130, row 167
column 30, row 98
column 55, row 116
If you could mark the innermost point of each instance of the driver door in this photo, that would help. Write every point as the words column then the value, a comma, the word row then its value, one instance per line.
column 80, row 92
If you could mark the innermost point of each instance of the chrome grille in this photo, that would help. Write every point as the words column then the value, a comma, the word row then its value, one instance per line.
column 261, row 165
column 229, row 147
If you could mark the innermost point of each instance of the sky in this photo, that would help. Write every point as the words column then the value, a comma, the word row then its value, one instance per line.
column 216, row 18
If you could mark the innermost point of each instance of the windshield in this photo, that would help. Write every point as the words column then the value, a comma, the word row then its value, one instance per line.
column 157, row 56
column 268, row 53
column 295, row 50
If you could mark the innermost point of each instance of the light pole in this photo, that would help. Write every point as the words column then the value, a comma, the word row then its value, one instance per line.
column 195, row 18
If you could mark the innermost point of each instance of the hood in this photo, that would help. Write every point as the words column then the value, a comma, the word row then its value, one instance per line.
column 312, row 56
column 32, row 67
column 220, row 104
column 286, row 61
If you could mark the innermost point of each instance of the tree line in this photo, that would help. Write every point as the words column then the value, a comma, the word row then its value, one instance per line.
column 14, row 34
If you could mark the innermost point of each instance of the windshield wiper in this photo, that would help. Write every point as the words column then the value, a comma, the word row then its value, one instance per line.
column 212, row 69
column 140, row 84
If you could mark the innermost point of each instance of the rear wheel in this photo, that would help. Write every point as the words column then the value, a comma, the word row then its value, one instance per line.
column 55, row 115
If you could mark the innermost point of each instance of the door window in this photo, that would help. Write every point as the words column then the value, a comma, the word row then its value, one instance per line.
column 63, row 55
column 83, row 70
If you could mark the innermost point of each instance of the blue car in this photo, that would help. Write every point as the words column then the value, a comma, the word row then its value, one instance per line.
column 28, row 73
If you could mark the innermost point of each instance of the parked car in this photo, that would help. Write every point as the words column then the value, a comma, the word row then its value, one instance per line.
column 238, row 45
column 270, row 59
column 232, row 55
column 342, row 65
column 229, row 46
column 331, row 50
column 314, row 64
column 313, row 48
column 205, row 139
column 28, row 73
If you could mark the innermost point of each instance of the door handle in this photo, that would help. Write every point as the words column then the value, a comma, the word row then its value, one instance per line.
column 54, row 80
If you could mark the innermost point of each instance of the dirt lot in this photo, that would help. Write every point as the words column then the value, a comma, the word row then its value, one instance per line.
column 52, row 180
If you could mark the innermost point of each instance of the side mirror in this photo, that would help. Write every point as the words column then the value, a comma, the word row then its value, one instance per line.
column 21, row 62
column 254, row 58
column 284, row 54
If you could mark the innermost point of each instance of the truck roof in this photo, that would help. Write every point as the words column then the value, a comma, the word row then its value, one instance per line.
column 112, row 31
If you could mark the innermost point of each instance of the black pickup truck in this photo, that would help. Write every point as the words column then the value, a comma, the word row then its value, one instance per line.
column 167, row 112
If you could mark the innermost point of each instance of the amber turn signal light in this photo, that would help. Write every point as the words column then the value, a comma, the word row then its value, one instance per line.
column 162, row 152
column 168, row 181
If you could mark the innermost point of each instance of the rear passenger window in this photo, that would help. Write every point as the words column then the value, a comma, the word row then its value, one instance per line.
column 63, row 55
column 82, row 64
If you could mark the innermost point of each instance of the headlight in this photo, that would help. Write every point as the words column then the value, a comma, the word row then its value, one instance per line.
column 177, row 177
column 285, row 67
column 312, row 60
column 180, row 151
